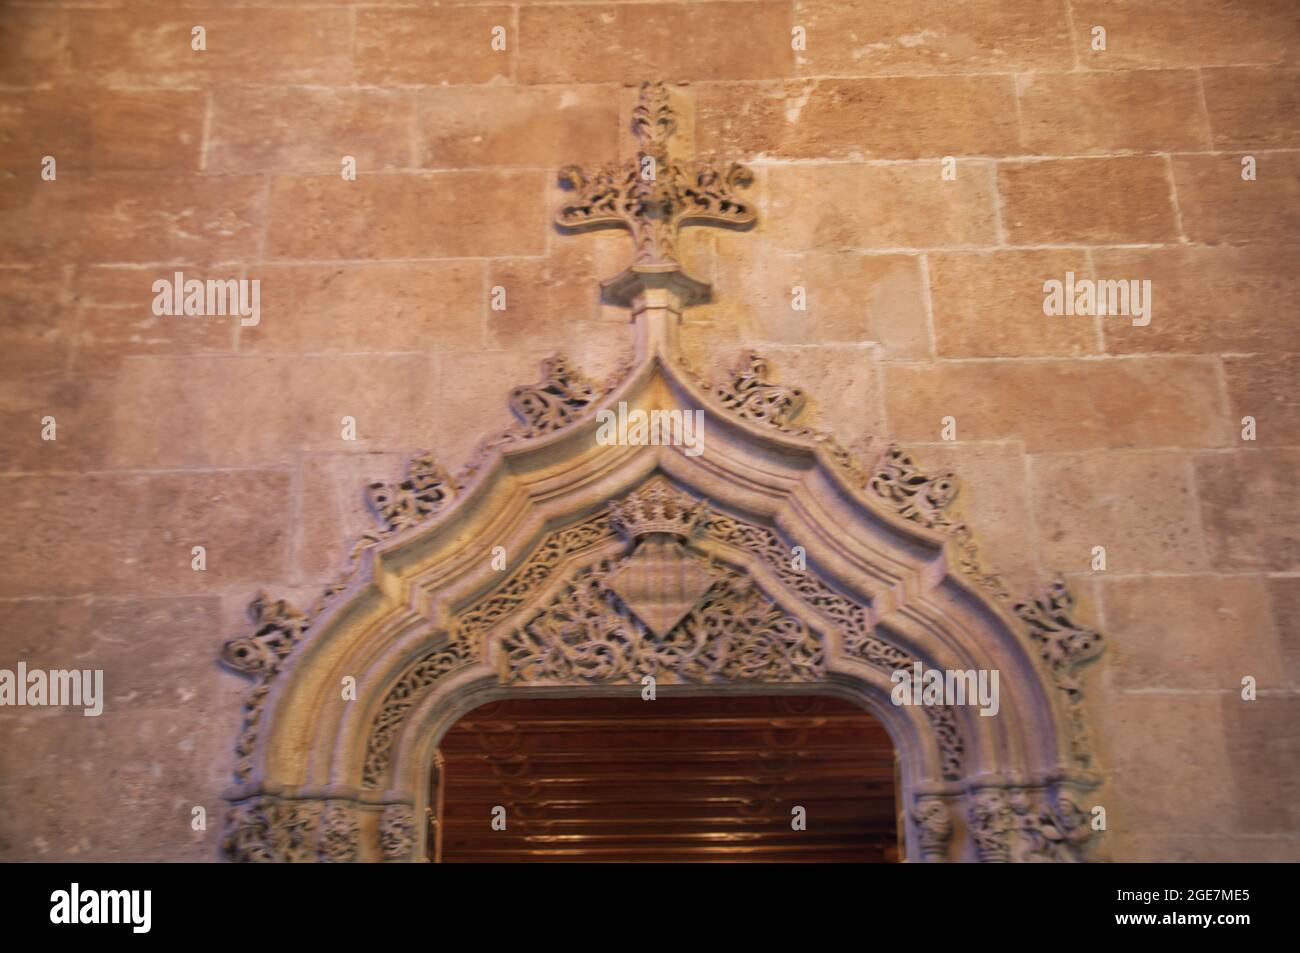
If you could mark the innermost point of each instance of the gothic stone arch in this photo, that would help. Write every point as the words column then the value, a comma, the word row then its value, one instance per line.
column 559, row 563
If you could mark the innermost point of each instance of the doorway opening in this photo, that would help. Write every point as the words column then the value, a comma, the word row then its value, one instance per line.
column 685, row 779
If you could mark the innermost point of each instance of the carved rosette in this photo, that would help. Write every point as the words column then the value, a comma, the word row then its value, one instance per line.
column 397, row 832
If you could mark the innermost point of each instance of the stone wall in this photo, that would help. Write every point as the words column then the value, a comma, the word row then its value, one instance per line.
column 925, row 300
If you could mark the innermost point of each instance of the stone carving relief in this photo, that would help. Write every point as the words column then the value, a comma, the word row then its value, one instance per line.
column 662, row 605
column 735, row 634
column 1063, row 646
column 653, row 510
column 563, row 396
column 426, row 490
column 465, row 643
column 277, row 628
column 1011, row 825
column 748, row 393
column 933, row 820
column 268, row 829
column 654, row 196
column 397, row 832
column 910, row 492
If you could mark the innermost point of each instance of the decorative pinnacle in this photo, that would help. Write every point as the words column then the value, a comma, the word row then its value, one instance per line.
column 653, row 198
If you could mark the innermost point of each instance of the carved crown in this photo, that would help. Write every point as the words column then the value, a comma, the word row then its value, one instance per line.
column 658, row 508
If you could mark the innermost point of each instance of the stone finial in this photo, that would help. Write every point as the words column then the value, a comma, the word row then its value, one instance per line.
column 653, row 197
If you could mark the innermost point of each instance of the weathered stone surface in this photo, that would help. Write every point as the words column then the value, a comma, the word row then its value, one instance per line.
column 1248, row 499
column 441, row 215
column 848, row 38
column 990, row 304
column 261, row 410
column 1263, row 386
column 1264, row 754
column 134, row 533
column 101, row 131
column 1061, row 405
column 33, row 40
column 135, row 217
column 75, row 403
column 1253, row 107
column 613, row 43
column 897, row 117
column 1085, row 112
column 150, row 45
column 1218, row 205
column 1199, row 633
column 1141, row 34
column 36, row 337
column 1141, row 507
column 828, row 207
column 112, row 316
column 1077, row 201
column 433, row 46
column 460, row 127
column 1169, row 763
column 1284, row 600
column 848, row 297
column 281, row 131
column 1207, row 300
column 312, row 309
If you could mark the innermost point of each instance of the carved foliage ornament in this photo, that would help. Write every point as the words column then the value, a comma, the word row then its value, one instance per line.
column 654, row 196
column 933, row 822
column 269, row 829
column 730, row 629
column 658, row 507
column 735, row 634
column 1064, row 646
column 1010, row 825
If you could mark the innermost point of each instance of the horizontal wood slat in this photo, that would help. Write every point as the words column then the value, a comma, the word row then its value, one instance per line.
column 673, row 780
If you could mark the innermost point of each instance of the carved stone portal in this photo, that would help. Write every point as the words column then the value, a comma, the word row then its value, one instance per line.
column 773, row 562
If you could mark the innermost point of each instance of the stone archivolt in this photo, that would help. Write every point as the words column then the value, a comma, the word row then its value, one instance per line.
column 633, row 561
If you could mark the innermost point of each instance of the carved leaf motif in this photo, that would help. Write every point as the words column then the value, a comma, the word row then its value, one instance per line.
column 1011, row 825
column 426, row 490
column 653, row 197
column 1064, row 644
column 587, row 634
column 749, row 393
column 563, row 395
column 912, row 493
